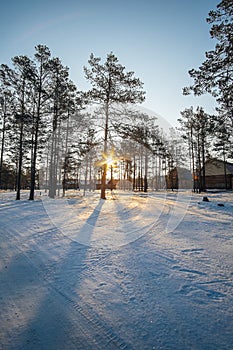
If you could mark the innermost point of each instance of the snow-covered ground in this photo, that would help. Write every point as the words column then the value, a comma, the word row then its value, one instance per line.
column 132, row 272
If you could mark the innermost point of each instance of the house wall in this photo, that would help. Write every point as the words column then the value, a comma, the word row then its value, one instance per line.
column 218, row 182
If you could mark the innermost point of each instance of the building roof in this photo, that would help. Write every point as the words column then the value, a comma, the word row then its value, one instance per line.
column 215, row 166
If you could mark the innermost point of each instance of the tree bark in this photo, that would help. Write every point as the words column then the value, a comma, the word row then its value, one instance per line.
column 104, row 176
column 19, row 174
column 2, row 146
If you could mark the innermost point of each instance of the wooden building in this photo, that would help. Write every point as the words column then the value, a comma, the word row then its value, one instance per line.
column 179, row 178
column 218, row 174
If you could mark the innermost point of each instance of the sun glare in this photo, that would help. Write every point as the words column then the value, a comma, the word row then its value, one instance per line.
column 107, row 159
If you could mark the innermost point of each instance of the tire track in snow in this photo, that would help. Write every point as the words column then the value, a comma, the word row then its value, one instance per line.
column 108, row 335
column 95, row 325
column 38, row 242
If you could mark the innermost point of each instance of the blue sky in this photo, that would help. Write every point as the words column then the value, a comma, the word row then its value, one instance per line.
column 159, row 40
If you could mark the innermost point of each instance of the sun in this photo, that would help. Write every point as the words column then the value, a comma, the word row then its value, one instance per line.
column 107, row 159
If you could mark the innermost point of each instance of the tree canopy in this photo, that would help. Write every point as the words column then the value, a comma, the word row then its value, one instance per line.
column 215, row 75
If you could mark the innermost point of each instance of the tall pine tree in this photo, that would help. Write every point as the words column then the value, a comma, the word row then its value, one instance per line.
column 111, row 84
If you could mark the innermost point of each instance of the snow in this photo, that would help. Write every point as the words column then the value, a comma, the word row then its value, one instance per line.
column 133, row 272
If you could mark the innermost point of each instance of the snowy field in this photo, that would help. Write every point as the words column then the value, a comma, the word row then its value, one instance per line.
column 132, row 272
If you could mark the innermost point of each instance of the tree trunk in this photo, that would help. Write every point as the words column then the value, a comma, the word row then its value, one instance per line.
column 225, row 169
column 193, row 162
column 103, row 180
column 203, row 165
column 199, row 185
column 66, row 154
column 34, row 156
column 134, row 174
column 19, row 173
column 52, row 168
column 2, row 146
column 86, row 175
column 146, row 172
column 53, row 158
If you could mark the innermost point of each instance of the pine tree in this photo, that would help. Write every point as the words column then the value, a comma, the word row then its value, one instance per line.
column 111, row 84
column 20, row 80
column 6, row 111
column 58, row 93
column 74, row 104
column 41, row 82
column 197, row 127
column 215, row 75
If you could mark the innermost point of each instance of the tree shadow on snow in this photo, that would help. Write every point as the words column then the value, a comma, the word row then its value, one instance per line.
column 53, row 316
